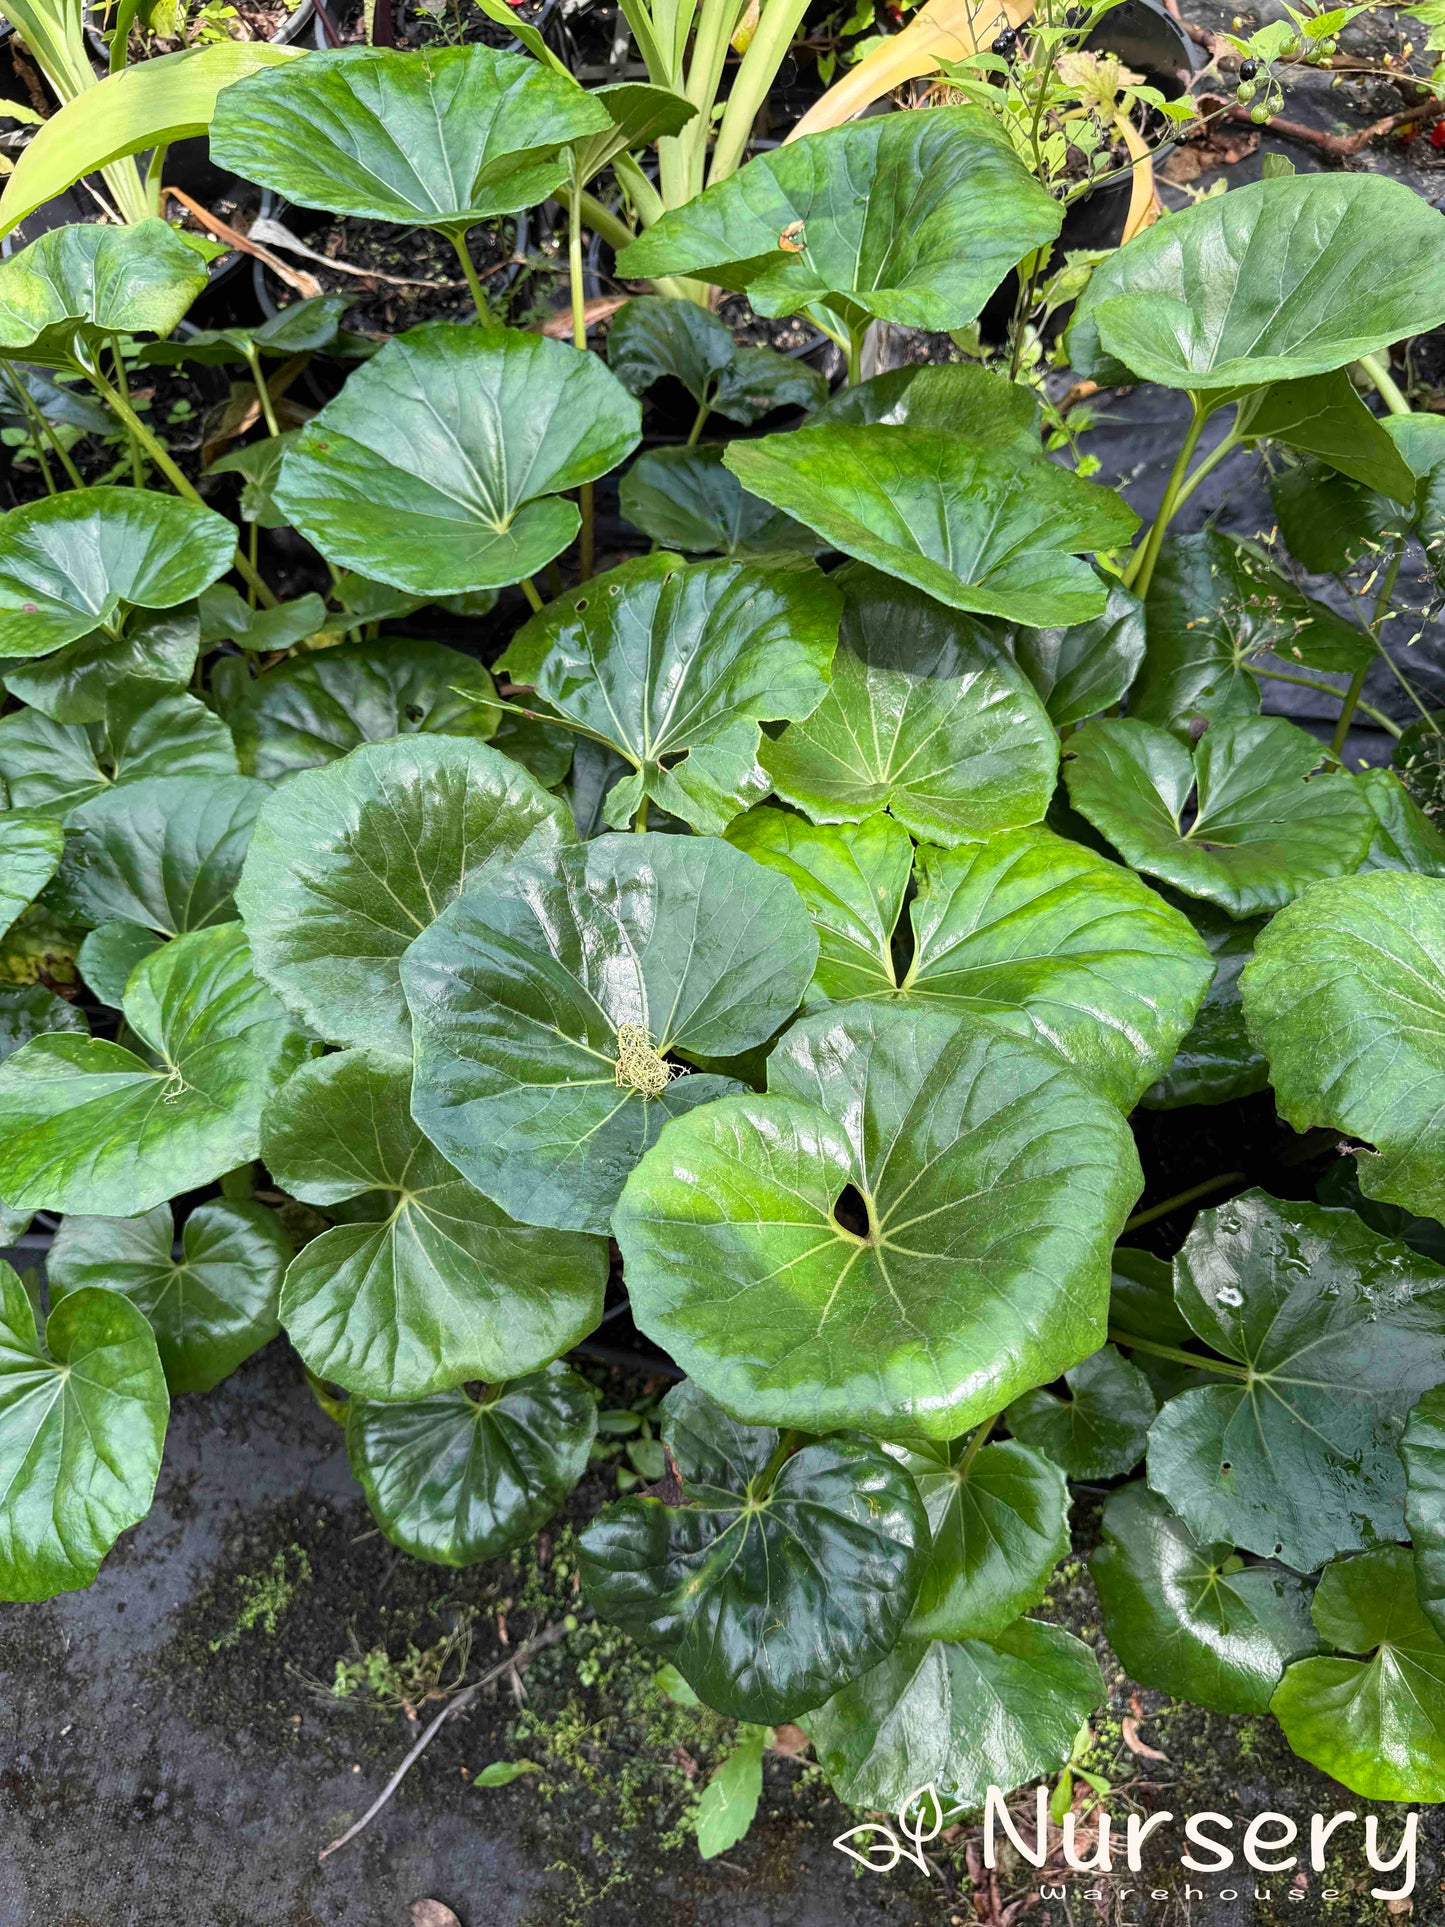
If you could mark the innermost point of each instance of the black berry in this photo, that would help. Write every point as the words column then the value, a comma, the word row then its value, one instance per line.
column 1248, row 69
column 1007, row 41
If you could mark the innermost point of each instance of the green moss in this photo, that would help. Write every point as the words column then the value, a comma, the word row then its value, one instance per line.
column 266, row 1596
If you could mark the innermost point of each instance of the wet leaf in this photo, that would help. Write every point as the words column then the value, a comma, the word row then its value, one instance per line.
column 1100, row 1430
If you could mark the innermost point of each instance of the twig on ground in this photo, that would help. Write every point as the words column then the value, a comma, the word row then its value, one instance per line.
column 549, row 1636
column 1344, row 147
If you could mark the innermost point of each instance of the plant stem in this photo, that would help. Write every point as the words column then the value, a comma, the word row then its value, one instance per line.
column 1376, row 716
column 855, row 356
column 639, row 822
column 787, row 1445
column 579, row 342
column 529, row 590
column 1141, row 572
column 137, row 462
column 1377, row 368
column 1225, row 446
column 469, row 269
column 39, row 427
column 181, row 483
column 1357, row 681
column 263, row 393
column 699, row 422
column 1184, row 1197
column 1224, row 1366
column 976, row 1443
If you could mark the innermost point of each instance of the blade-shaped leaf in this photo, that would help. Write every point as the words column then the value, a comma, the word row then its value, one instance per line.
column 911, row 218
column 688, row 499
column 439, row 1289
column 927, row 717
column 1280, row 279
column 1192, row 1619
column 989, row 530
column 999, row 1518
column 316, row 708
column 1100, row 1430
column 443, row 137
column 675, row 666
column 87, row 1125
column 439, row 466
column 78, row 683
column 458, row 1478
column 1338, row 1331
column 349, row 862
column 960, row 1715
column 765, row 1586
column 1346, row 997
column 31, row 846
column 210, row 1307
column 1264, row 825
column 69, row 563
column 82, row 1422
column 1377, row 1724
column 302, row 329
column 54, row 767
column 82, row 285
column 545, row 1002
column 165, row 853
column 228, row 617
column 972, row 1263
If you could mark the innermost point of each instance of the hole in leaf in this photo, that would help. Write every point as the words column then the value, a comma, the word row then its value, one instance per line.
column 414, row 712
column 580, row 603
column 851, row 1212
column 1225, row 1466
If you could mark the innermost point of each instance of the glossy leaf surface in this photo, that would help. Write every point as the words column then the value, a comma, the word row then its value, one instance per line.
column 1083, row 669
column 54, row 767
column 652, row 336
column 31, row 846
column 88, row 282
column 1100, row 1430
column 165, row 853
column 76, row 684
column 1216, row 1060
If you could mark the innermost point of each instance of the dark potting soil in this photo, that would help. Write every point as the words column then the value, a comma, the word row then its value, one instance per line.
column 417, row 274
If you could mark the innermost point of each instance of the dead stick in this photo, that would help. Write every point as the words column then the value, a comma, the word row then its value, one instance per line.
column 548, row 1637
column 1343, row 147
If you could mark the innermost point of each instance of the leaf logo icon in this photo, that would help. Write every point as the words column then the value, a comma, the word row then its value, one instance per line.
column 920, row 1818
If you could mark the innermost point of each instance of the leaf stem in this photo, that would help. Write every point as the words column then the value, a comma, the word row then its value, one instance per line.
column 137, row 460
column 263, row 392
column 977, row 1443
column 1225, row 446
column 1376, row 716
column 1224, row 1366
column 1224, row 1179
column 469, row 269
column 639, row 822
column 1377, row 370
column 529, row 590
column 1141, row 572
column 855, row 356
column 579, row 342
column 530, row 715
column 1357, row 681
column 699, row 423
column 788, row 1443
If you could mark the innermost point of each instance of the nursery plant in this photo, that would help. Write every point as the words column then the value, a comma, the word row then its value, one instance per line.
column 772, row 934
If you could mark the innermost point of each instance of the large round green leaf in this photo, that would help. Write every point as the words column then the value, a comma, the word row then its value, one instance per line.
column 955, row 398
column 69, row 563
column 210, row 1307
column 927, row 717
column 1283, row 278
column 961, row 1716
column 675, row 666
column 1346, row 997
column 76, row 684
column 110, row 953
column 82, row 1422
column 1027, row 929
column 999, row 1516
column 87, row 1125
column 84, row 284
column 439, row 1286
column 443, row 137
column 31, row 846
column 165, row 853
column 978, row 528
column 460, row 1477
column 653, row 336
column 685, row 498
column 53, row 767
column 1085, row 668
column 1100, row 1430
column 914, row 218
column 439, row 466
column 1216, row 1061
column 1376, row 1725
column 1334, row 1332
column 987, row 1186
column 545, row 1002
column 351, row 861
column 766, row 1585
column 1264, row 825
column 1423, row 1450
column 318, row 707
column 1190, row 1619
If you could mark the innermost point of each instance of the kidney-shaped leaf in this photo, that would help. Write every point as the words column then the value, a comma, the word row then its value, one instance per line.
column 165, row 853
column 969, row 1261
column 1334, row 1332
column 69, row 562
column 350, row 862
column 317, row 707
column 1346, row 997
column 984, row 529
column 1376, row 1724
column 1088, row 666
column 443, row 137
column 675, row 667
column 110, row 953
column 82, row 1422
column 1264, row 825
column 31, row 846
column 955, row 398
column 460, row 1477
column 999, row 1516
column 87, row 1125
column 914, row 218
column 546, row 1000
column 766, row 1586
column 1192, row 1619
column 687, row 499
column 55, row 767
column 927, row 717
column 440, row 1287
column 1100, row 1430
column 210, row 1307
column 1283, row 278
column 653, row 335
column 87, row 283
column 439, row 466
column 75, row 684
column 959, row 1715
